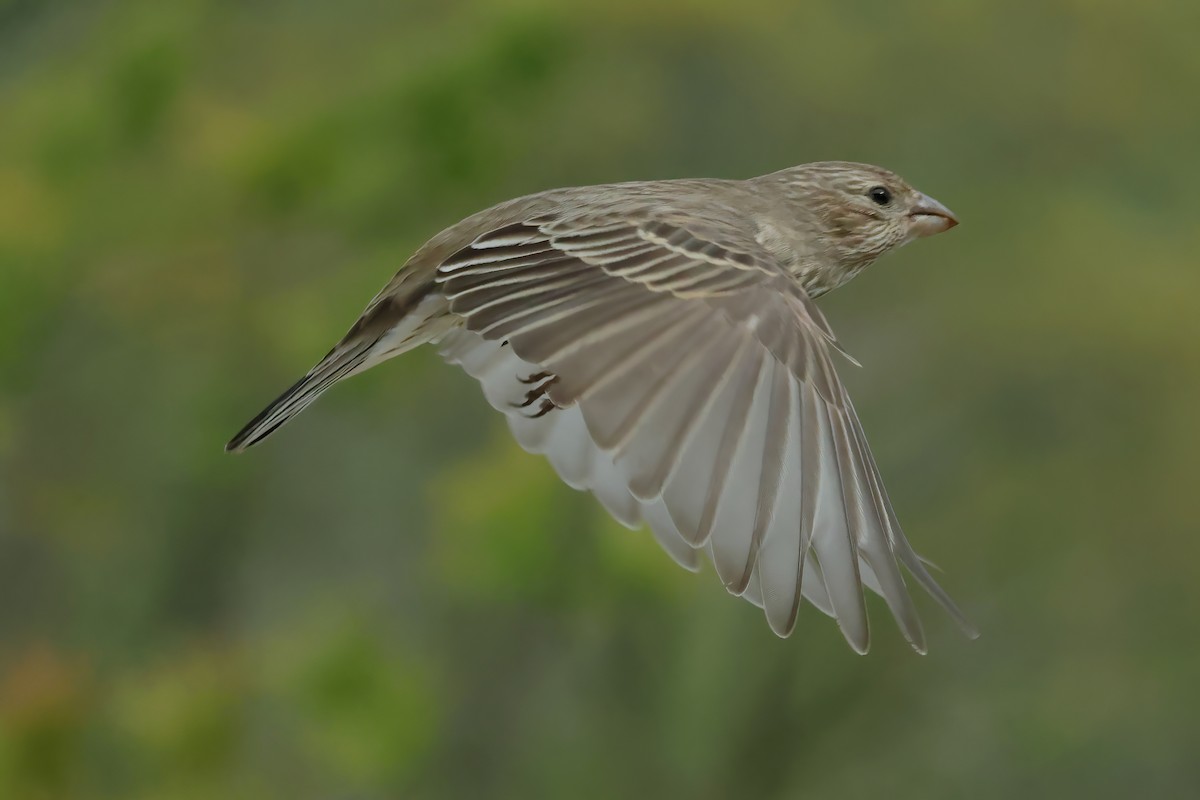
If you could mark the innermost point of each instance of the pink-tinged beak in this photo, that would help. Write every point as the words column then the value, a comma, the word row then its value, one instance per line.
column 929, row 216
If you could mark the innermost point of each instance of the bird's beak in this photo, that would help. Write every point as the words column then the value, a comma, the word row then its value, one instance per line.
column 929, row 216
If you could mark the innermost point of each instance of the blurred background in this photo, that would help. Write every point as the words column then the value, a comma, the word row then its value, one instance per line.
column 390, row 599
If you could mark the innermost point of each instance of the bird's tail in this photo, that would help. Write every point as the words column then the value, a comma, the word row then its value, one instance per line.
column 342, row 361
column 386, row 330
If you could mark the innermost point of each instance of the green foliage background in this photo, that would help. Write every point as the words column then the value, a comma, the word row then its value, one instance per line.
column 390, row 599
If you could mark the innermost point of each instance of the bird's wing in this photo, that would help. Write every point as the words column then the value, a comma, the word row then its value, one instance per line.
column 704, row 379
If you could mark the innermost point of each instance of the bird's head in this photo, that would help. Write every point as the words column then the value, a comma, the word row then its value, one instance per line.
column 858, row 212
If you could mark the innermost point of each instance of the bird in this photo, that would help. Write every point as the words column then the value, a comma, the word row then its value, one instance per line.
column 659, row 343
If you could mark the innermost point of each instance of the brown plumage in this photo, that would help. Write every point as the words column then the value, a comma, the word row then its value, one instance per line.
column 658, row 343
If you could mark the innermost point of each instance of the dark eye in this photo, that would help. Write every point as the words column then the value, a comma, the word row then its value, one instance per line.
column 880, row 195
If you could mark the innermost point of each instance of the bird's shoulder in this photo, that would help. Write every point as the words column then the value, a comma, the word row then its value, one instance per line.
column 735, row 218
column 724, row 211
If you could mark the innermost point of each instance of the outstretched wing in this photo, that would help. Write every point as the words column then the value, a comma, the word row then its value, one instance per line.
column 677, row 371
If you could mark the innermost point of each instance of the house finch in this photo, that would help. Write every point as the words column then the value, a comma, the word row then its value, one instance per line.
column 659, row 343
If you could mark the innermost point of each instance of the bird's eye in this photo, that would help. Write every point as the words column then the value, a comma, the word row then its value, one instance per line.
column 880, row 195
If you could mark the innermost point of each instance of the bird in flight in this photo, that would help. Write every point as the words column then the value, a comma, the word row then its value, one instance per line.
column 658, row 342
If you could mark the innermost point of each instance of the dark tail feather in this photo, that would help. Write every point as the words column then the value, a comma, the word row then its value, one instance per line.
column 383, row 323
column 341, row 362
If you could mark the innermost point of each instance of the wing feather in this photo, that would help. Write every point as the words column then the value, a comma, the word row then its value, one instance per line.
column 833, row 542
column 780, row 564
column 694, row 491
column 879, row 569
column 649, row 458
column 747, row 502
